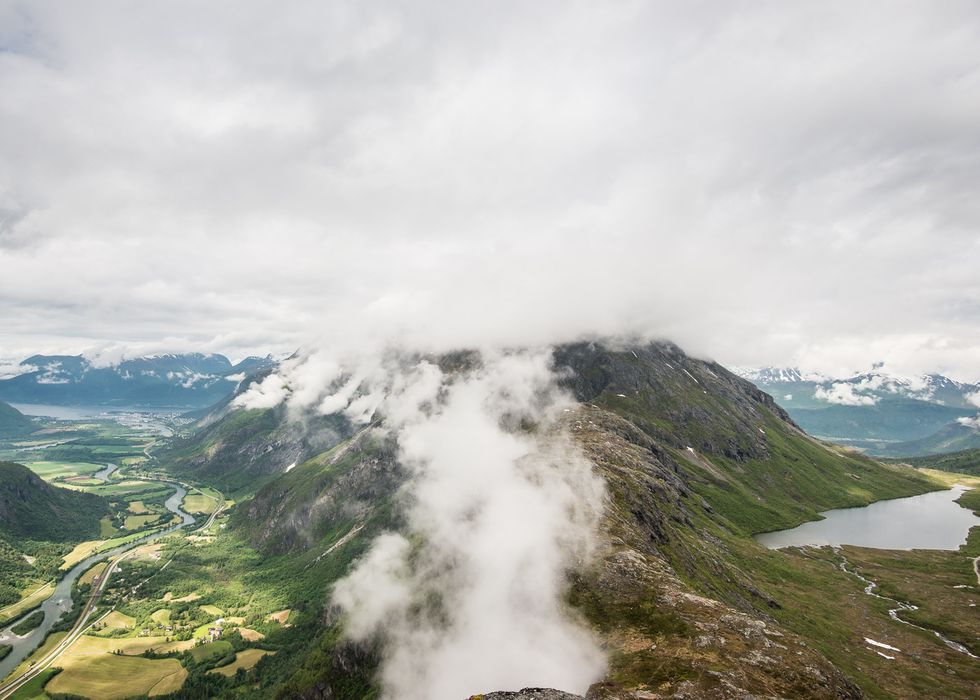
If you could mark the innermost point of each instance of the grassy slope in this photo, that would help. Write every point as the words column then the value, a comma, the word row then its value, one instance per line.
column 238, row 451
column 31, row 508
column 964, row 462
column 13, row 423
column 752, row 470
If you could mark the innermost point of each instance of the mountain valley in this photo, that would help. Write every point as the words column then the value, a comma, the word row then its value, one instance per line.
column 680, row 598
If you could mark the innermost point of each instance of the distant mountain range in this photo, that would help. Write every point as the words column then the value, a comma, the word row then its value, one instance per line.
column 884, row 414
column 189, row 380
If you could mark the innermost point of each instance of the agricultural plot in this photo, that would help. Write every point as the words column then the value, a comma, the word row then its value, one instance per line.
column 50, row 471
column 138, row 508
column 211, row 651
column 199, row 503
column 136, row 522
column 32, row 599
column 89, row 576
column 106, row 528
column 87, row 549
column 108, row 676
column 117, row 620
column 244, row 659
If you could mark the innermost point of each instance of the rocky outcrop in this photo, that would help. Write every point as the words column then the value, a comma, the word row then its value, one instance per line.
column 528, row 694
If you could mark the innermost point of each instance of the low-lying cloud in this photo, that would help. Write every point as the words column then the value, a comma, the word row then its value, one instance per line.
column 765, row 183
column 500, row 504
column 844, row 394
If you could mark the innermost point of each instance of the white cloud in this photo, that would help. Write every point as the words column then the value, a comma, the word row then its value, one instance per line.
column 973, row 422
column 844, row 394
column 513, row 174
column 12, row 368
column 974, row 398
column 270, row 392
column 494, row 529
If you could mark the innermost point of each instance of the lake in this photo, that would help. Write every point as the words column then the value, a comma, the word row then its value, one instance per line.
column 928, row 521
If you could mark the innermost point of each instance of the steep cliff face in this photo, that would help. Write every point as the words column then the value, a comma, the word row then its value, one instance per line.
column 240, row 450
column 340, row 491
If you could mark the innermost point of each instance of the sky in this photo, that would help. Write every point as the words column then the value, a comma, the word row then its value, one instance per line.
column 764, row 183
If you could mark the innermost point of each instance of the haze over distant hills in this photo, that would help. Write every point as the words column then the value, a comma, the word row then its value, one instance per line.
column 190, row 380
column 883, row 413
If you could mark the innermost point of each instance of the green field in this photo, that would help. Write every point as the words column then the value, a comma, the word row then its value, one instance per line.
column 106, row 528
column 34, row 689
column 86, row 549
column 34, row 598
column 198, row 503
column 135, row 522
column 109, row 676
column 49, row 471
column 211, row 651
column 161, row 617
column 244, row 659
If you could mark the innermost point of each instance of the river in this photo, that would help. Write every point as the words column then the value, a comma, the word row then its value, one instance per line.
column 928, row 521
column 61, row 602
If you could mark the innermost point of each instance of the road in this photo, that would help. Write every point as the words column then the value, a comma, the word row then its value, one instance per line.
column 74, row 633
column 82, row 624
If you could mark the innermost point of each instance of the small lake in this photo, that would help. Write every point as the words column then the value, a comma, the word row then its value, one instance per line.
column 928, row 521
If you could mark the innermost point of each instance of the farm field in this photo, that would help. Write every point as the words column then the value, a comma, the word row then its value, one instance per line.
column 135, row 522
column 90, row 547
column 244, row 659
column 50, row 471
column 211, row 651
column 89, row 576
column 199, row 503
column 106, row 676
column 35, row 597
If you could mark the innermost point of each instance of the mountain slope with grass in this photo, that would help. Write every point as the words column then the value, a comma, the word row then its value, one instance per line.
column 13, row 423
column 30, row 508
column 963, row 462
column 695, row 460
column 239, row 450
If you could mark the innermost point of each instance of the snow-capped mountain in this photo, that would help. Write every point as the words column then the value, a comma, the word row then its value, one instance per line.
column 884, row 413
column 174, row 380
column 863, row 389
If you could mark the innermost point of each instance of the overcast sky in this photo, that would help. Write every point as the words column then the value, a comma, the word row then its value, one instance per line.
column 764, row 183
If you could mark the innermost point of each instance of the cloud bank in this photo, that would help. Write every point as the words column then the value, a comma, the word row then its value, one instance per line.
column 844, row 394
column 469, row 599
column 766, row 183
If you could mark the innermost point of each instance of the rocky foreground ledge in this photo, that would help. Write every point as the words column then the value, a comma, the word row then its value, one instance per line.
column 528, row 694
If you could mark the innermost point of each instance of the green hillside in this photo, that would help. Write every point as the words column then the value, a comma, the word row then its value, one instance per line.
column 240, row 450
column 695, row 461
column 964, row 462
column 32, row 509
column 13, row 423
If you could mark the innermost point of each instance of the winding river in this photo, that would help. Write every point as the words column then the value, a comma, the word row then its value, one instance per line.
column 61, row 602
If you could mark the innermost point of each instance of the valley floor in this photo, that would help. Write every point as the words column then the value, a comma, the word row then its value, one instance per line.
column 203, row 614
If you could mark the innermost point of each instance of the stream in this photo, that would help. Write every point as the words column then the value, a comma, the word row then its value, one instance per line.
column 869, row 589
column 61, row 602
